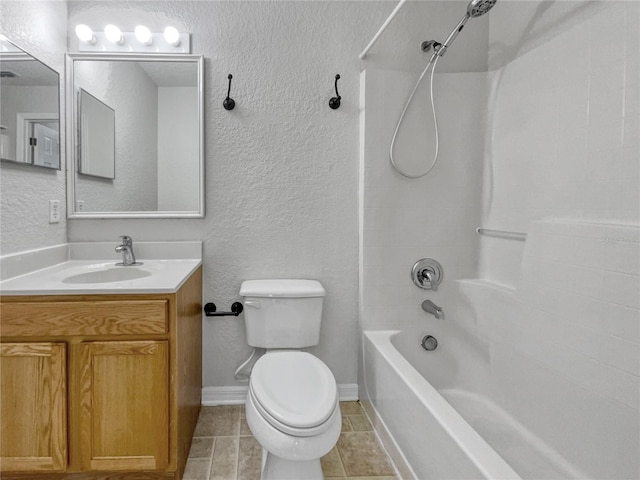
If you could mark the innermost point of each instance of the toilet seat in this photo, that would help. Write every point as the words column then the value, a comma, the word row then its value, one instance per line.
column 294, row 391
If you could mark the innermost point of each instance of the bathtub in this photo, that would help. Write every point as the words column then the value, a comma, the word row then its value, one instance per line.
column 446, row 427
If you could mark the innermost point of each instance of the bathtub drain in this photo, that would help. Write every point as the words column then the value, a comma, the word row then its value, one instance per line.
column 429, row 343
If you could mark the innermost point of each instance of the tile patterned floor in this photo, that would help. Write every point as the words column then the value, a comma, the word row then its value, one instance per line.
column 224, row 449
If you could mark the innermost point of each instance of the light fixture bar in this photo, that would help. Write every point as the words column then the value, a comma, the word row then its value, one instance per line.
column 130, row 44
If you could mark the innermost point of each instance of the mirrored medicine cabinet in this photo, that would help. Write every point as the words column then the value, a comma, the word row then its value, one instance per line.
column 135, row 136
column 29, row 109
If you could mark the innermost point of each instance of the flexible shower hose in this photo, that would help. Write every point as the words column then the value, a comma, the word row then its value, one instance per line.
column 432, row 63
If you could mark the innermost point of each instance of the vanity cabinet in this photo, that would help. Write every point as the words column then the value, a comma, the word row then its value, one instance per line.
column 100, row 386
column 124, row 388
column 33, row 406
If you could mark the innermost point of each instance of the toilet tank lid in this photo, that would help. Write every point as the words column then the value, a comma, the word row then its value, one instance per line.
column 283, row 287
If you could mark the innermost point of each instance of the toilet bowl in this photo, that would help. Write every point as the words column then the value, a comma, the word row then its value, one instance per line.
column 292, row 410
column 292, row 404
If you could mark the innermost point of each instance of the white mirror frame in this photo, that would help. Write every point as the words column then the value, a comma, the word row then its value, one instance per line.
column 72, row 134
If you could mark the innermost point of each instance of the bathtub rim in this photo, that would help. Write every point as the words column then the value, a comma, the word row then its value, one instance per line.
column 480, row 453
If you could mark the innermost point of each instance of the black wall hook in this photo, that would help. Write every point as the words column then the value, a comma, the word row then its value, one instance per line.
column 210, row 310
column 335, row 101
column 229, row 103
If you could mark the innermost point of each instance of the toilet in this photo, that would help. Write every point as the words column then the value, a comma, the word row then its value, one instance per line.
column 292, row 404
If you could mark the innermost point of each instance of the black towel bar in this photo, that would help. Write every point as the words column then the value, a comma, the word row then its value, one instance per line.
column 210, row 310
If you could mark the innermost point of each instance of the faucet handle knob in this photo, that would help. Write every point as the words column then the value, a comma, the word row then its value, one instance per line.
column 126, row 240
column 427, row 274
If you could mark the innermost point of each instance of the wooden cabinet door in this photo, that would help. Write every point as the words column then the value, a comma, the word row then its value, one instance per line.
column 33, row 404
column 125, row 405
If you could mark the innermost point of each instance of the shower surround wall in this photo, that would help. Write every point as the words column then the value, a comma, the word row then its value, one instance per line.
column 563, row 120
column 40, row 28
column 281, row 168
column 557, row 317
column 403, row 219
column 567, row 152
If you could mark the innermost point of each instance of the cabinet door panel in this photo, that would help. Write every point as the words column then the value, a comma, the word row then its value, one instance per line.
column 33, row 397
column 125, row 405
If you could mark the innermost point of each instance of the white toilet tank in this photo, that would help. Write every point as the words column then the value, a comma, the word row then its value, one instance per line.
column 282, row 313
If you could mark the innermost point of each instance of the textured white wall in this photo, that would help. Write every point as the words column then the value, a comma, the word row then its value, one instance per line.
column 121, row 85
column 563, row 120
column 39, row 28
column 281, row 169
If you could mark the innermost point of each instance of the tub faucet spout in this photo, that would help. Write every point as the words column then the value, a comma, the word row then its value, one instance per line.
column 430, row 307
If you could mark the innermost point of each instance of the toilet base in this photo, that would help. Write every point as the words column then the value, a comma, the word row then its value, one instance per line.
column 278, row 468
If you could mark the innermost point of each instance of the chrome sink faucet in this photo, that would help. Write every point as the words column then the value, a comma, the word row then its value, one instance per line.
column 430, row 307
column 126, row 248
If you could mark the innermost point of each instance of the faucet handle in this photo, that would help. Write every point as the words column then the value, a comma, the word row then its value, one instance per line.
column 427, row 274
column 126, row 240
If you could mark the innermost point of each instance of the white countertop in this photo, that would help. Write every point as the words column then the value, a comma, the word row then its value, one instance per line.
column 79, row 275
column 153, row 276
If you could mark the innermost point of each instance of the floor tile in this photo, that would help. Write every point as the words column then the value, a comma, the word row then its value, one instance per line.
column 360, row 423
column 224, row 465
column 223, row 420
column 346, row 424
column 201, row 447
column 196, row 469
column 223, row 448
column 362, row 456
column 332, row 465
column 350, row 408
column 244, row 427
column 250, row 459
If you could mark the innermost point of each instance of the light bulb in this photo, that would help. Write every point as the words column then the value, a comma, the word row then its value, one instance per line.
column 172, row 36
column 143, row 34
column 85, row 34
column 113, row 34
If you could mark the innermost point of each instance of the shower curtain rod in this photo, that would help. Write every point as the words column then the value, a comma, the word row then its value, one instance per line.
column 382, row 29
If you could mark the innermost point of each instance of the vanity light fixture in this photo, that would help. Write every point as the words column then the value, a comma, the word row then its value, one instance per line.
column 85, row 34
column 142, row 40
column 114, row 34
column 143, row 34
column 172, row 36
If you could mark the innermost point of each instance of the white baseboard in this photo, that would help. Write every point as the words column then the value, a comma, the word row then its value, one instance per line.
column 212, row 396
column 348, row 392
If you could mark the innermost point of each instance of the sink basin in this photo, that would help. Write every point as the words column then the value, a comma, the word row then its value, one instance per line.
column 103, row 277
column 108, row 275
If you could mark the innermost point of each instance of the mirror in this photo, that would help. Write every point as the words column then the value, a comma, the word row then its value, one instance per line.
column 96, row 137
column 29, row 109
column 136, row 139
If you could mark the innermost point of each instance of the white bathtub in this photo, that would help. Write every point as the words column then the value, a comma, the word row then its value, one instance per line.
column 435, row 440
column 444, row 428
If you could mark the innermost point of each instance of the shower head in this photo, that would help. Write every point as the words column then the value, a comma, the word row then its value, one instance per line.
column 477, row 8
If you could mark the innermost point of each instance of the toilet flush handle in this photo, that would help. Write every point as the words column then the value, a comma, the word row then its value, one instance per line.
column 252, row 303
